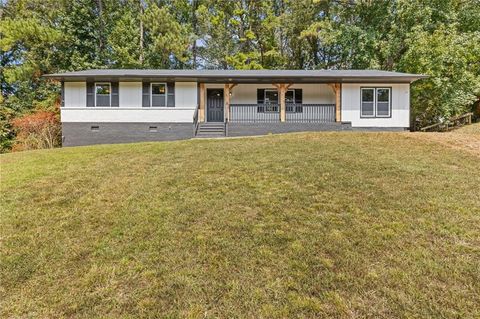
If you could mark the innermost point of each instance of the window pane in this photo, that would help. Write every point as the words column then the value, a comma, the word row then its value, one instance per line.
column 102, row 89
column 103, row 100
column 271, row 97
column 367, row 109
column 290, row 96
column 383, row 109
column 159, row 89
column 383, row 95
column 367, row 95
column 158, row 100
column 383, row 102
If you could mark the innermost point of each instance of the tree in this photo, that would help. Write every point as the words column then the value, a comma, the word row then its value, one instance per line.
column 451, row 60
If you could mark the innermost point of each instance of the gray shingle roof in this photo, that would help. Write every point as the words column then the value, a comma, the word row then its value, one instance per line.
column 241, row 75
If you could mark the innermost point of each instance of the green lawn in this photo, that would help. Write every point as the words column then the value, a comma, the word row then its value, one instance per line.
column 345, row 225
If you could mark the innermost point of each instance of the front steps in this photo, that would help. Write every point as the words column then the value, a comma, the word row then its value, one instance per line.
column 210, row 130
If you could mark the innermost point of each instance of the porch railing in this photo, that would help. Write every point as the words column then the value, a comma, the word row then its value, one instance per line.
column 304, row 113
column 266, row 113
column 252, row 113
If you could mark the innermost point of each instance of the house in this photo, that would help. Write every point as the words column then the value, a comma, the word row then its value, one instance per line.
column 115, row 106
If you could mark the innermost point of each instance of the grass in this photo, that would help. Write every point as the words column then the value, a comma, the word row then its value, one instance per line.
column 469, row 129
column 318, row 225
column 466, row 138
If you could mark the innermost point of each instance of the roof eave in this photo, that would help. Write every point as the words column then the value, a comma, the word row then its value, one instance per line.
column 240, row 78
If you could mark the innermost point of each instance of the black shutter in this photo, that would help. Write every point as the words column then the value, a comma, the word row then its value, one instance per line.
column 146, row 94
column 298, row 96
column 90, row 94
column 115, row 94
column 171, row 94
column 260, row 96
column 260, row 100
column 62, row 95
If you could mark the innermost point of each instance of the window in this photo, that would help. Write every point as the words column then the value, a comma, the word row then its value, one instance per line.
column 271, row 97
column 158, row 94
column 268, row 100
column 375, row 102
column 271, row 101
column 290, row 96
column 291, row 100
column 103, row 94
column 383, row 102
column 368, row 102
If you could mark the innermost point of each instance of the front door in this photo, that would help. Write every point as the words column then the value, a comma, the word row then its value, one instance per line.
column 215, row 105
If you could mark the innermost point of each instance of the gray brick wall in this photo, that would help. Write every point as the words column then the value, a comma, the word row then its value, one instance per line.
column 75, row 134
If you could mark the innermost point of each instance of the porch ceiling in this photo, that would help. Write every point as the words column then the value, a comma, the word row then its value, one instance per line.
column 240, row 76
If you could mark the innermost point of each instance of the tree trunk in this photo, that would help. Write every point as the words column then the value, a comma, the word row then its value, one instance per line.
column 101, row 30
column 195, row 32
column 141, row 56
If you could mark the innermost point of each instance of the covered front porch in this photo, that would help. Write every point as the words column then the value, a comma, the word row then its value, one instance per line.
column 269, row 103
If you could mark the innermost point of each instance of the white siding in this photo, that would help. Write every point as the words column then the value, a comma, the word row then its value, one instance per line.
column 186, row 95
column 75, row 94
column 128, row 115
column 400, row 106
column 130, row 94
column 130, row 108
column 316, row 93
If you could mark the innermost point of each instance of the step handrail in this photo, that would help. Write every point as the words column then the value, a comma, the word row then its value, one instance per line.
column 195, row 121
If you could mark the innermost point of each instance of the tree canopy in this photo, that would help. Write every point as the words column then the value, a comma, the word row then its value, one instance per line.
column 440, row 38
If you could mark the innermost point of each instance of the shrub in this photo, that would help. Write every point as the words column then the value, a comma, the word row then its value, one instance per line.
column 37, row 130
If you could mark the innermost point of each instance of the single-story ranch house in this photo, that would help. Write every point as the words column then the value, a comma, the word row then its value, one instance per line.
column 114, row 106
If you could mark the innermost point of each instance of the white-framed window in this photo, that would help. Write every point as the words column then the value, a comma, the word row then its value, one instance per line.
column 271, row 101
column 383, row 98
column 103, row 94
column 290, row 96
column 271, row 96
column 158, row 94
column 375, row 102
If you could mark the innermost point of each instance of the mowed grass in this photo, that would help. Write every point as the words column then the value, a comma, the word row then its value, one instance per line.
column 466, row 138
column 317, row 225
column 469, row 129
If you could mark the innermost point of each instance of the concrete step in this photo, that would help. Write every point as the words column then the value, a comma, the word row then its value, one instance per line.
column 212, row 126
column 211, row 130
column 209, row 135
column 206, row 129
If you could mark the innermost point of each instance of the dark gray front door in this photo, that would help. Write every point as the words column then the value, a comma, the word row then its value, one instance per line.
column 215, row 105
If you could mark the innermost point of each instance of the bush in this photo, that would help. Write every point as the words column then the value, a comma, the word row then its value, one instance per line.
column 37, row 130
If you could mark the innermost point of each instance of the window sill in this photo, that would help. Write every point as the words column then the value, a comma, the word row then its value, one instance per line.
column 375, row 117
